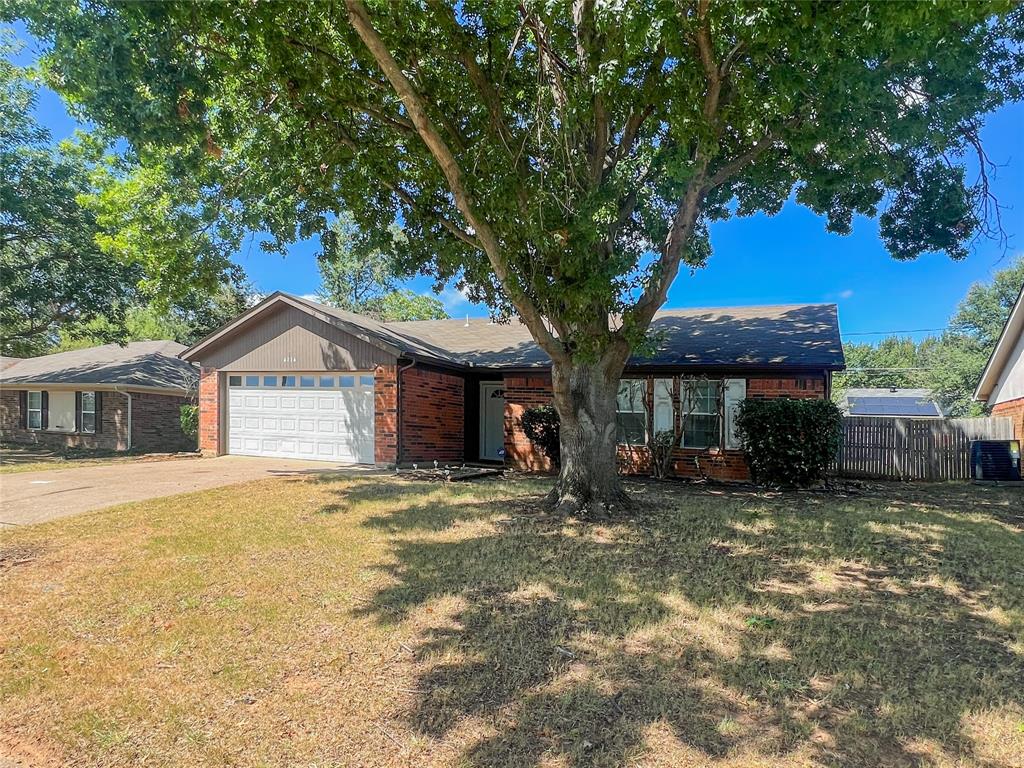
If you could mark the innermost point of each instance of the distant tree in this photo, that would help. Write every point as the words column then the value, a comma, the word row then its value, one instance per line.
column 958, row 358
column 190, row 318
column 89, row 238
column 566, row 160
column 983, row 311
column 361, row 275
column 52, row 271
column 949, row 365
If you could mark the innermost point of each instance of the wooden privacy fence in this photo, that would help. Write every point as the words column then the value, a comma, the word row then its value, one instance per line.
column 914, row 449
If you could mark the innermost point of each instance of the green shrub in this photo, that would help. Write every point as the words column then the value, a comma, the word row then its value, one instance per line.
column 541, row 425
column 789, row 442
column 190, row 420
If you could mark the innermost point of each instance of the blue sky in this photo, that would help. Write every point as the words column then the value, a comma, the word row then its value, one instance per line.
column 787, row 258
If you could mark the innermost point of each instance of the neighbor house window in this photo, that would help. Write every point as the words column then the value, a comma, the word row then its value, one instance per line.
column 89, row 412
column 270, row 381
column 327, row 381
column 234, row 381
column 631, row 413
column 35, row 410
column 307, row 381
column 701, row 414
column 347, row 381
column 366, row 381
column 252, row 381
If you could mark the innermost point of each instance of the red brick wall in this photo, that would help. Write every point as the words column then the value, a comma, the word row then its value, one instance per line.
column 113, row 434
column 156, row 423
column 209, row 411
column 802, row 387
column 1013, row 409
column 385, row 406
column 522, row 392
column 433, row 416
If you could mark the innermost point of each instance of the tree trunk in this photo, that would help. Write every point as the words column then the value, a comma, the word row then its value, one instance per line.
column 588, row 482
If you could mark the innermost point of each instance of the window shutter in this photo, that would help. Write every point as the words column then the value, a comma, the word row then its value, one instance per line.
column 663, row 416
column 78, row 411
column 45, row 398
column 99, row 412
column 735, row 392
column 23, row 399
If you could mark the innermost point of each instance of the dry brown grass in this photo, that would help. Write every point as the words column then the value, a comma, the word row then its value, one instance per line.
column 377, row 622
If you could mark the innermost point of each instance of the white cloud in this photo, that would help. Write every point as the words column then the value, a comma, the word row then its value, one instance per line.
column 848, row 293
column 454, row 299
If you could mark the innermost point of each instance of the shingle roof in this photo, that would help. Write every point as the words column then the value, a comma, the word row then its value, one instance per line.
column 138, row 364
column 891, row 402
column 7, row 362
column 801, row 335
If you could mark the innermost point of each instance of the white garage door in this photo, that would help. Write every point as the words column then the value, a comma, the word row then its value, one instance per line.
column 325, row 416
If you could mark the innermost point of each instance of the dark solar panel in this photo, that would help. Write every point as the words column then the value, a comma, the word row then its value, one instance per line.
column 892, row 406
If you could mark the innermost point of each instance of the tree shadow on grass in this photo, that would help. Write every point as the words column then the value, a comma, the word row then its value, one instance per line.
column 849, row 630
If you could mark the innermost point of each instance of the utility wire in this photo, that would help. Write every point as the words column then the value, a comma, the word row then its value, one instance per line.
column 889, row 333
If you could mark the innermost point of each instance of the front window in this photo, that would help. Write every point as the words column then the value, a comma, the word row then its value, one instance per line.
column 89, row 412
column 631, row 412
column 701, row 413
column 35, row 410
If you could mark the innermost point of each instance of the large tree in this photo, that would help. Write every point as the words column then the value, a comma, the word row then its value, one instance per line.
column 562, row 160
column 52, row 272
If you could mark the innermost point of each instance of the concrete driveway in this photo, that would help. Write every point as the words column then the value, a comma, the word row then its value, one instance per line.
column 35, row 497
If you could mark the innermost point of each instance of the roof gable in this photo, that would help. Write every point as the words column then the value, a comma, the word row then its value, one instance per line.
column 1002, row 353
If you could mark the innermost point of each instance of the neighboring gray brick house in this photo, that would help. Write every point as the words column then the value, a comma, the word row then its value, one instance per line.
column 108, row 397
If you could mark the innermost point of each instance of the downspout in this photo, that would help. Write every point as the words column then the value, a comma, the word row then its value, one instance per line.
column 398, row 412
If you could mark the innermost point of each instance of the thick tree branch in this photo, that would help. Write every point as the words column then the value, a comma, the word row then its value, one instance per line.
column 414, row 105
column 740, row 162
column 639, row 317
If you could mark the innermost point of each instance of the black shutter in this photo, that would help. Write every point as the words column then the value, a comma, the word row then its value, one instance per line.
column 45, row 423
column 98, row 405
column 78, row 411
column 23, row 400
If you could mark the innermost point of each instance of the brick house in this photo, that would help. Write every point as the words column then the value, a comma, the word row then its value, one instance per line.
column 1002, row 382
column 291, row 378
column 108, row 397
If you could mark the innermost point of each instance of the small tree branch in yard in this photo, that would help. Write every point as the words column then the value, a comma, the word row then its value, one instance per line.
column 488, row 239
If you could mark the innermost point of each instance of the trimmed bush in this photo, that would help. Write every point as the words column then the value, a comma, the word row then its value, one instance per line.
column 789, row 442
column 541, row 425
column 190, row 420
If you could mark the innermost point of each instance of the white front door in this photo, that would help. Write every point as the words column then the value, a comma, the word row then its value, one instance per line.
column 492, row 420
column 325, row 416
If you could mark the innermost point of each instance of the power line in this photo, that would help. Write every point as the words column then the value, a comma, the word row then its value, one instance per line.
column 889, row 333
column 862, row 370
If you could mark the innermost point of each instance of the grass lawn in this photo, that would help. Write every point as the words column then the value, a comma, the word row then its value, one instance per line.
column 379, row 622
column 31, row 458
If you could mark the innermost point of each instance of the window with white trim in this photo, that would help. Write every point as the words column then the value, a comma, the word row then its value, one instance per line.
column 702, row 420
column 88, row 418
column 631, row 412
column 34, row 417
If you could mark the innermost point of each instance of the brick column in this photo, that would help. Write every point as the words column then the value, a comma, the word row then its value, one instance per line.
column 385, row 414
column 522, row 392
column 209, row 411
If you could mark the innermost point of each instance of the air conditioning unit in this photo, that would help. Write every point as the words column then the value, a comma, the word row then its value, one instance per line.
column 995, row 460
